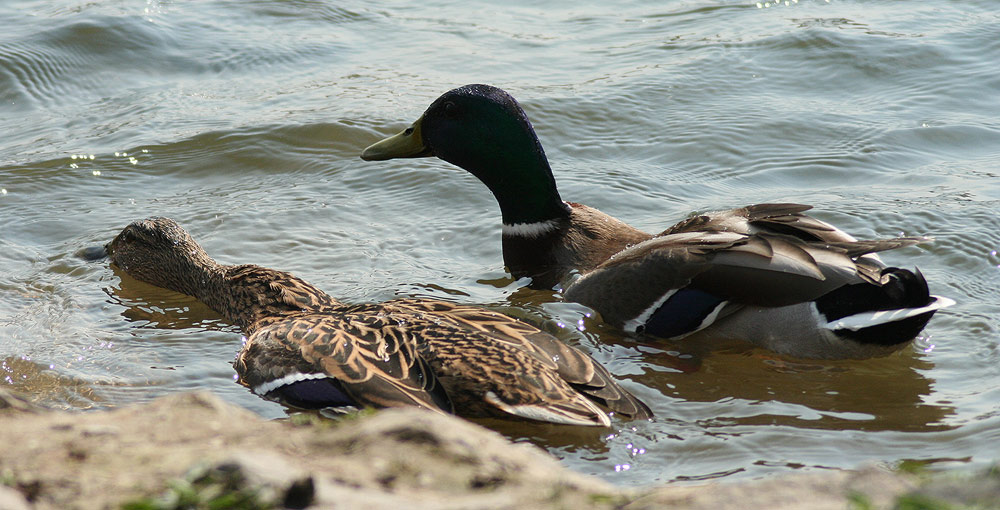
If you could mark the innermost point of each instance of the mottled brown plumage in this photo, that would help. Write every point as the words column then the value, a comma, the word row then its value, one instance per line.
column 428, row 353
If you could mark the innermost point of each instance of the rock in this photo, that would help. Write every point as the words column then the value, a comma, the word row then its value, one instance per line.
column 980, row 490
column 815, row 491
column 396, row 458
column 411, row 448
column 387, row 460
column 259, row 479
column 276, row 478
column 11, row 499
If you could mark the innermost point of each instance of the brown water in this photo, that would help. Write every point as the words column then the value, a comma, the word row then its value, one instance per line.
column 243, row 121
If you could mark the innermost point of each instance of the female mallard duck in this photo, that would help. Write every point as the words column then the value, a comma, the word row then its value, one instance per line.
column 766, row 273
column 308, row 350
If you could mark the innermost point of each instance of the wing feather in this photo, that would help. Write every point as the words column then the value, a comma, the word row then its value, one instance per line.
column 374, row 360
column 573, row 366
column 762, row 269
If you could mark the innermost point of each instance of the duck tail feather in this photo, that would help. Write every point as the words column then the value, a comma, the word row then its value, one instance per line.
column 578, row 412
column 891, row 311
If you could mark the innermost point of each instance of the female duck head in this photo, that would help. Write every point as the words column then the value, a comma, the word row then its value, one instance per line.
column 160, row 252
column 483, row 130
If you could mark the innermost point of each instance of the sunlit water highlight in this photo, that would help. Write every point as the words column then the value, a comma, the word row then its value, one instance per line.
column 243, row 121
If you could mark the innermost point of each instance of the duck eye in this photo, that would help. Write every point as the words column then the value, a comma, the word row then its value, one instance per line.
column 449, row 108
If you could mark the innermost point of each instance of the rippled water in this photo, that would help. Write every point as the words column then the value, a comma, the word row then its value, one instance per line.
column 243, row 121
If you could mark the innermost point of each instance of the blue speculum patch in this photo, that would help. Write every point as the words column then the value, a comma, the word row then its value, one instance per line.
column 682, row 313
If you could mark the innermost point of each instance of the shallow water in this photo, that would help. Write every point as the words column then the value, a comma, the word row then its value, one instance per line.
column 243, row 121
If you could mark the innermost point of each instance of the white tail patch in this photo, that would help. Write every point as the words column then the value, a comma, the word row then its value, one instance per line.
column 530, row 230
column 868, row 319
column 540, row 413
column 273, row 384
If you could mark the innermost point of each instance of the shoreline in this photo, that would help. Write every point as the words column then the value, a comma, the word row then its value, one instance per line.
column 195, row 445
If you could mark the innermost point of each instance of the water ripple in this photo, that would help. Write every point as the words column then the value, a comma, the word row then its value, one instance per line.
column 244, row 120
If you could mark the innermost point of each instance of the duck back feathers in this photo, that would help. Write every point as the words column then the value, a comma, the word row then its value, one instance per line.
column 307, row 349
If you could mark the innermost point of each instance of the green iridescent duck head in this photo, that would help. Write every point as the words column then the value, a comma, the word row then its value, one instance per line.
column 483, row 130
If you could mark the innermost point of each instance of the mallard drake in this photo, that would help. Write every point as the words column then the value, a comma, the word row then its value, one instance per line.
column 308, row 350
column 766, row 273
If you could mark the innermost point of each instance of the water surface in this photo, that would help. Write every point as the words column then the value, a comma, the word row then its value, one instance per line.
column 244, row 120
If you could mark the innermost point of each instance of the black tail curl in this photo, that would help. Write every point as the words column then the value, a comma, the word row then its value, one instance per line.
column 899, row 289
